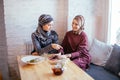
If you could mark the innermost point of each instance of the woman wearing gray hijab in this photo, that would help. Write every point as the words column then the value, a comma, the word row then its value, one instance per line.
column 44, row 39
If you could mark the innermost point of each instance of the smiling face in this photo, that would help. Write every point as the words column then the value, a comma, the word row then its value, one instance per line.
column 78, row 23
column 75, row 25
column 47, row 27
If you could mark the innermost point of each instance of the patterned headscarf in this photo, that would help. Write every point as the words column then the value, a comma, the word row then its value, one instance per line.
column 43, row 19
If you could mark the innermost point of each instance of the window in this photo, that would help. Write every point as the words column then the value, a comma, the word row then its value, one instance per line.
column 114, row 34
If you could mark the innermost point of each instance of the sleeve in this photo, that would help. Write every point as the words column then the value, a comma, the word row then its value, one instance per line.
column 64, row 43
column 37, row 45
column 82, row 48
column 55, row 39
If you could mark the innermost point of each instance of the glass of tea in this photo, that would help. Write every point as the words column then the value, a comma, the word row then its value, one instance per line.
column 58, row 69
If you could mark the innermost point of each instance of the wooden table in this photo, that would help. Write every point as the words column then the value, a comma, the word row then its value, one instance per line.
column 43, row 71
column 0, row 76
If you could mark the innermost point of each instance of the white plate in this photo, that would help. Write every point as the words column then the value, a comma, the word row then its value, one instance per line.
column 27, row 59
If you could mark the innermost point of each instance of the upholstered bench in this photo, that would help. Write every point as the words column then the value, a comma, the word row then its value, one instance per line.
column 105, row 62
column 99, row 73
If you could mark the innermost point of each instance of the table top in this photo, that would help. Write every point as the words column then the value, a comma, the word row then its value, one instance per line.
column 43, row 71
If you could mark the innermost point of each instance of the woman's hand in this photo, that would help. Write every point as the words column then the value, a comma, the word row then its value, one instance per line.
column 57, row 56
column 35, row 54
column 56, row 46
column 68, row 55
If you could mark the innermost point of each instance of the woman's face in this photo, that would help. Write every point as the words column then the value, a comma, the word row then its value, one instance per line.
column 47, row 27
column 75, row 25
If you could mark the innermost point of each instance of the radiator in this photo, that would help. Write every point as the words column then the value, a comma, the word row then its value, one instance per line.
column 29, row 47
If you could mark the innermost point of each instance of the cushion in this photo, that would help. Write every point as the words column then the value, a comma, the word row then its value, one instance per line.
column 113, row 63
column 100, row 52
column 90, row 41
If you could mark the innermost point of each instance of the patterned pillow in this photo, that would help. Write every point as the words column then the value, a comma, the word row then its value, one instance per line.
column 113, row 63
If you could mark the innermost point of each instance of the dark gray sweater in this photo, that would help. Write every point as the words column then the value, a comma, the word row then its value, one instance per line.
column 42, row 41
